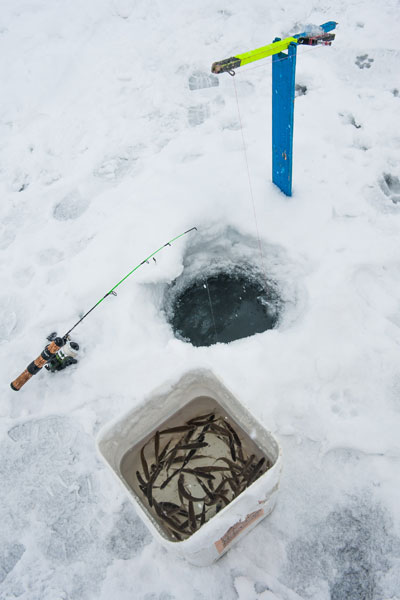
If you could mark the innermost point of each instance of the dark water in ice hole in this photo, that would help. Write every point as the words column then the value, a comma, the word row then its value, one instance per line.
column 233, row 307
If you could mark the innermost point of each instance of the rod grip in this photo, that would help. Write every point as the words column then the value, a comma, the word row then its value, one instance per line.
column 35, row 366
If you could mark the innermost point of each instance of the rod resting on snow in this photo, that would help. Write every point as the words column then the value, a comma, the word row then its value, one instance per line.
column 51, row 349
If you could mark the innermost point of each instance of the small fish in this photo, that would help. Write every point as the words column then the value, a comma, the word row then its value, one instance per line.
column 233, row 432
column 256, row 471
column 232, row 449
column 149, row 493
column 149, row 487
column 185, row 524
column 211, row 469
column 234, row 466
column 171, row 458
column 179, row 459
column 233, row 483
column 224, row 498
column 174, row 451
column 157, row 444
column 192, row 517
column 144, row 464
column 140, row 479
column 174, row 526
column 205, row 489
column 198, row 473
column 166, row 482
column 248, row 464
column 164, row 451
column 203, row 515
column 202, row 419
column 216, row 429
column 169, row 507
column 158, row 509
column 189, row 457
column 180, row 494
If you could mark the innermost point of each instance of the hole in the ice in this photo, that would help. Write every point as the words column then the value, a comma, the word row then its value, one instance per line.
column 223, row 307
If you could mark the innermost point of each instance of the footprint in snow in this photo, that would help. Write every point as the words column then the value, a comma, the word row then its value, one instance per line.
column 198, row 114
column 200, row 80
column 363, row 61
column 300, row 90
column 8, row 317
column 7, row 236
column 70, row 207
column 390, row 186
column 113, row 167
column 344, row 404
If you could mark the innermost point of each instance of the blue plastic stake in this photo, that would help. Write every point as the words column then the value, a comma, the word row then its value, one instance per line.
column 283, row 89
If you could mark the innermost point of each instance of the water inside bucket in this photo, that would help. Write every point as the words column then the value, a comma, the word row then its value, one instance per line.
column 228, row 462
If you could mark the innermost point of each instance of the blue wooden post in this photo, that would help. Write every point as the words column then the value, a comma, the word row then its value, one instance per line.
column 283, row 89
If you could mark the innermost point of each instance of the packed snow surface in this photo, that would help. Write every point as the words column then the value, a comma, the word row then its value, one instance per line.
column 115, row 138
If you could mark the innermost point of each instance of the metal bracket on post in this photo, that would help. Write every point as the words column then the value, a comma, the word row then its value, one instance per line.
column 283, row 90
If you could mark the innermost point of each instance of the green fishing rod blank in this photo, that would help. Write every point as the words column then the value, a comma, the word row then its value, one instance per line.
column 51, row 349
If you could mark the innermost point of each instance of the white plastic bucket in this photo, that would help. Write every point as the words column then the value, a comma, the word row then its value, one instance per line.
column 224, row 529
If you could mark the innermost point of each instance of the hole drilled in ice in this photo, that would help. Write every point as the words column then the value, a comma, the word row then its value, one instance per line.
column 224, row 307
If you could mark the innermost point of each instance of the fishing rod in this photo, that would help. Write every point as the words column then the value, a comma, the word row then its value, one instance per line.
column 53, row 354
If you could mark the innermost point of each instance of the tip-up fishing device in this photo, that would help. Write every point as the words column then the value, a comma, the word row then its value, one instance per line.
column 283, row 91
column 321, row 36
column 61, row 351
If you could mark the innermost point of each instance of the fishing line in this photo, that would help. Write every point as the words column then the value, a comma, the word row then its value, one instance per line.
column 250, row 184
column 242, row 72
column 211, row 309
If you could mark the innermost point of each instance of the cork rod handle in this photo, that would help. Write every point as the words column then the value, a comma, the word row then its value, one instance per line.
column 35, row 366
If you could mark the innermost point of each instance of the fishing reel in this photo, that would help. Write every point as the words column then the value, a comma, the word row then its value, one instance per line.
column 65, row 357
column 323, row 39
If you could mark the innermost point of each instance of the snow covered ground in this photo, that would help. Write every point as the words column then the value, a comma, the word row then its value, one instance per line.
column 108, row 148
